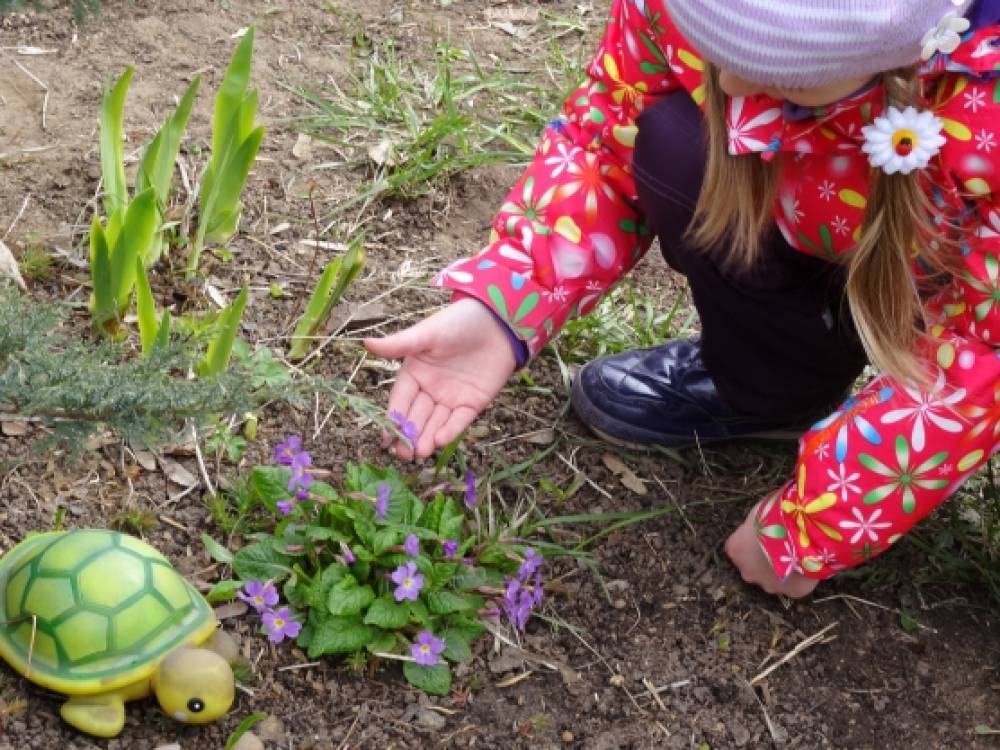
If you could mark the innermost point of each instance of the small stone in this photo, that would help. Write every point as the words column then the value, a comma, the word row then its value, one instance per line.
column 430, row 719
column 741, row 735
column 620, row 604
column 271, row 730
column 617, row 680
column 173, row 746
column 249, row 741
column 567, row 736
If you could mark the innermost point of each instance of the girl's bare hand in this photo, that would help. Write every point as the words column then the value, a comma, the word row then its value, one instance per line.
column 454, row 364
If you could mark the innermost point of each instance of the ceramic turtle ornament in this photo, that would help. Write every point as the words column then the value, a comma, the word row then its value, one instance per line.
column 104, row 618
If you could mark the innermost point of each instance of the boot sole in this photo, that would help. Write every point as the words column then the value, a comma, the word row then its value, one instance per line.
column 775, row 436
column 650, row 441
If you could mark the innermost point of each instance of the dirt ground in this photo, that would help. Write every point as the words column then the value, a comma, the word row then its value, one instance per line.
column 665, row 659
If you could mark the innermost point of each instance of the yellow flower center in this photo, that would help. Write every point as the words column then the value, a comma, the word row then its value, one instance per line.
column 904, row 141
column 407, row 583
column 425, row 649
column 278, row 623
column 258, row 599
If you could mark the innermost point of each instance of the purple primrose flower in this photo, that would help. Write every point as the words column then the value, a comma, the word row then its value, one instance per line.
column 300, row 471
column 406, row 427
column 280, row 624
column 532, row 562
column 471, row 496
column 285, row 453
column 537, row 593
column 261, row 595
column 285, row 506
column 382, row 501
column 412, row 545
column 449, row 547
column 426, row 648
column 408, row 582
column 349, row 557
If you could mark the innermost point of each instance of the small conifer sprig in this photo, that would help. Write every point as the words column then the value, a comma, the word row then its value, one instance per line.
column 77, row 386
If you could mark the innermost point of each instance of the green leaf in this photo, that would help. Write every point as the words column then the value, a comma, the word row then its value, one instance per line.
column 243, row 728
column 494, row 555
column 383, row 643
column 224, row 591
column 270, row 484
column 261, row 562
column 346, row 598
column 451, row 521
column 320, row 533
column 145, row 309
column 156, row 169
column 232, row 91
column 102, row 305
column 340, row 635
column 456, row 645
column 419, row 613
column 220, row 348
column 332, row 284
column 467, row 626
column 470, row 579
column 216, row 551
column 446, row 602
column 112, row 126
column 435, row 680
column 431, row 517
column 365, row 531
column 440, row 575
column 222, row 204
column 163, row 334
column 318, row 591
column 383, row 540
column 387, row 613
column 138, row 227
column 234, row 149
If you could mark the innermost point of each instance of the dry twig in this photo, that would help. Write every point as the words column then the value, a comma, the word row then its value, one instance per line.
column 810, row 641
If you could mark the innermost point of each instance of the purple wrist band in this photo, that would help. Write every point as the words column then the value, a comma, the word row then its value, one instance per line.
column 518, row 347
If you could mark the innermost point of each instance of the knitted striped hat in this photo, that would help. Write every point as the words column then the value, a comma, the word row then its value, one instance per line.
column 807, row 43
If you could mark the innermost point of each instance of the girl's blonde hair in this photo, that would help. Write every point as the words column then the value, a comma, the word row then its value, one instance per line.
column 736, row 206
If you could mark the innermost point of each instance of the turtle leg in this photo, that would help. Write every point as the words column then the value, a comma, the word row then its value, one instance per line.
column 102, row 715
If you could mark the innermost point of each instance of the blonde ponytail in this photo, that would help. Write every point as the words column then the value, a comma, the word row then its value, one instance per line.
column 737, row 195
column 881, row 289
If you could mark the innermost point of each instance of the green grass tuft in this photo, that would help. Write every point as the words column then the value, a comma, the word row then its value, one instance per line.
column 415, row 127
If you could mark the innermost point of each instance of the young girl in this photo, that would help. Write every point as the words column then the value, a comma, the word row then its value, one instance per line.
column 823, row 172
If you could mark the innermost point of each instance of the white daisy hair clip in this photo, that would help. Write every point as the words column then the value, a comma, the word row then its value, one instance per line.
column 945, row 36
column 901, row 141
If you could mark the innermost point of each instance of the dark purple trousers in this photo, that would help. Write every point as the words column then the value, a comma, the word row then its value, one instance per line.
column 777, row 338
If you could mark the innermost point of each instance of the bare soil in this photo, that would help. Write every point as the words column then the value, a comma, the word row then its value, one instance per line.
column 663, row 659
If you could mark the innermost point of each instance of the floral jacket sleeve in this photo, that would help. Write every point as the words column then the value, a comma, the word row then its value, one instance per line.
column 870, row 471
column 570, row 227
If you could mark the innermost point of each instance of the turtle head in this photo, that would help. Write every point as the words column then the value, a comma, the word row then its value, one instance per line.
column 194, row 685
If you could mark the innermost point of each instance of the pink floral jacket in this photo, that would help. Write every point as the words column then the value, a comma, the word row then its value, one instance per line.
column 570, row 228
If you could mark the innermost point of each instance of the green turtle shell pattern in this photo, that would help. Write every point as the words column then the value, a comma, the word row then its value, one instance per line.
column 104, row 608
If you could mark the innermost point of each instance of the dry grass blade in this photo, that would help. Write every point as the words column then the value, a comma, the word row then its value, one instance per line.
column 514, row 679
column 812, row 640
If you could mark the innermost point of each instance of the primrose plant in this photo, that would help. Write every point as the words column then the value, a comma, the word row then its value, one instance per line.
column 373, row 571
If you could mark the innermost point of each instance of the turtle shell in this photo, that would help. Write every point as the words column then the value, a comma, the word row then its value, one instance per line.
column 92, row 610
